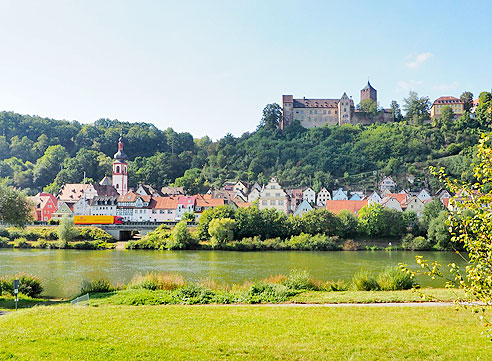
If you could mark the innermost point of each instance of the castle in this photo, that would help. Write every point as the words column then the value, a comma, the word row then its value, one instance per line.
column 317, row 112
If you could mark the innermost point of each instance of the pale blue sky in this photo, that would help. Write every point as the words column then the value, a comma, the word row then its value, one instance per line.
column 209, row 67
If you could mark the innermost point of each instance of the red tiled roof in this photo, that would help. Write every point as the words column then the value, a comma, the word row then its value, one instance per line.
column 209, row 202
column 132, row 197
column 243, row 204
column 164, row 203
column 352, row 206
column 317, row 103
column 186, row 200
column 448, row 100
column 400, row 197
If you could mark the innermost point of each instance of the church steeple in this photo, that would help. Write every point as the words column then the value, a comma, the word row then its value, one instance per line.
column 120, row 176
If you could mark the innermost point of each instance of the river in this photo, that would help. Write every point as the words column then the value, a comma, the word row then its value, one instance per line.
column 62, row 271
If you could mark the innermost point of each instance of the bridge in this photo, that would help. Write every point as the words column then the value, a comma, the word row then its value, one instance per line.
column 125, row 231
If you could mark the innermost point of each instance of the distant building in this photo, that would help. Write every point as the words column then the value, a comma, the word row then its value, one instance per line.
column 323, row 196
column 340, row 205
column 120, row 173
column 163, row 209
column 273, row 196
column 374, row 198
column 304, row 207
column 456, row 105
column 340, row 195
column 45, row 204
column 387, row 183
column 309, row 195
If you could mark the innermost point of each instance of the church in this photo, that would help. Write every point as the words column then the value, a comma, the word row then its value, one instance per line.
column 318, row 112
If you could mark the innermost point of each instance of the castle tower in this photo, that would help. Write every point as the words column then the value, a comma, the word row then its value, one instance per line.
column 287, row 111
column 344, row 110
column 120, row 175
column 368, row 92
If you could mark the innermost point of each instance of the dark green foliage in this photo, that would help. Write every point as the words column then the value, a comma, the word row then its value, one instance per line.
column 93, row 234
column 365, row 281
column 438, row 232
column 21, row 243
column 96, row 286
column 28, row 285
column 299, row 280
column 416, row 243
column 268, row 293
column 4, row 242
column 393, row 279
column 321, row 221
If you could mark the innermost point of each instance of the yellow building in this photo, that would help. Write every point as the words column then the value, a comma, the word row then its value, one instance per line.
column 456, row 105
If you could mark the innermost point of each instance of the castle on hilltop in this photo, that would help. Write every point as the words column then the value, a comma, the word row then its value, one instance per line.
column 317, row 112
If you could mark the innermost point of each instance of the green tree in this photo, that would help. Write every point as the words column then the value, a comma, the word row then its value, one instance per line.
column 467, row 98
column 438, row 232
column 396, row 111
column 446, row 118
column 66, row 230
column 348, row 224
column 213, row 213
column 431, row 210
column 181, row 238
column 321, row 221
column 221, row 230
column 193, row 181
column 369, row 107
column 416, row 108
column 15, row 208
column 272, row 114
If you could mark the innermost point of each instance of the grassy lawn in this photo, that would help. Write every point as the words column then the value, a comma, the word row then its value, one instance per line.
column 437, row 294
column 8, row 303
column 241, row 333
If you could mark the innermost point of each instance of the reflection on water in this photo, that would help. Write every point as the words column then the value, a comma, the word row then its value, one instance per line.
column 62, row 271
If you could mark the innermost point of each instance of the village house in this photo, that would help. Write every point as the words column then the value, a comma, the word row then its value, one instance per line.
column 186, row 204
column 456, row 105
column 146, row 190
column 304, row 207
column 64, row 210
column 204, row 202
column 163, row 209
column 340, row 195
column 241, row 186
column 374, row 198
column 309, row 195
column 387, row 183
column 416, row 205
column 273, row 196
column 424, row 195
column 295, row 197
column 323, row 196
column 45, row 204
column 103, row 206
column 172, row 191
column 253, row 194
column 394, row 201
column 356, row 196
column 336, row 206
column 134, row 208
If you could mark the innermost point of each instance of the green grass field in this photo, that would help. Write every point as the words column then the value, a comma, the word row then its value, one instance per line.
column 215, row 332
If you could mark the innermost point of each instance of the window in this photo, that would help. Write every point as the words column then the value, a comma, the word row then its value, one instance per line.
column 272, row 203
column 277, row 194
column 280, row 203
column 268, row 194
column 117, row 169
column 264, row 203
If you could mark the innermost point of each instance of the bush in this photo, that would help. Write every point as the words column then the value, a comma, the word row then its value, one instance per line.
column 93, row 234
column 28, row 285
column 66, row 230
column 416, row 244
column 194, row 294
column 350, row 245
column 221, row 230
column 4, row 233
column 96, row 286
column 365, row 281
column 181, row 237
column 307, row 242
column 268, row 293
column 299, row 280
column 335, row 286
column 53, row 221
column 21, row 242
column 40, row 243
column 393, row 279
column 4, row 242
column 157, row 281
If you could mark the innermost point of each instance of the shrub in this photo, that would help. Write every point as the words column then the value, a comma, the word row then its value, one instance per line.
column 221, row 230
column 157, row 281
column 21, row 242
column 66, row 230
column 4, row 233
column 96, row 286
column 416, row 244
column 28, row 285
column 307, row 242
column 268, row 293
column 59, row 245
column 93, row 234
column 53, row 221
column 393, row 279
column 40, row 243
column 350, row 245
column 364, row 281
column 299, row 280
column 181, row 237
column 194, row 294
column 4, row 242
column 336, row 286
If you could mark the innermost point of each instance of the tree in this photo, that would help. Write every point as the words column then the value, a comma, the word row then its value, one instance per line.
column 369, row 107
column 348, row 224
column 15, row 208
column 213, row 213
column 467, row 98
column 272, row 114
column 66, row 230
column 193, row 182
column 181, row 238
column 431, row 210
column 438, row 232
column 221, row 230
column 416, row 109
column 446, row 118
column 396, row 111
column 321, row 221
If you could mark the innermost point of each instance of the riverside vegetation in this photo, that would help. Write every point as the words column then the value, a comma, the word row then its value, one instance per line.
column 250, row 229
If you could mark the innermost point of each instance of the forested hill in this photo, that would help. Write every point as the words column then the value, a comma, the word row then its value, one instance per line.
column 40, row 153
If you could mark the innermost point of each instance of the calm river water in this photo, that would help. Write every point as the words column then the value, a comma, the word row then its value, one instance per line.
column 62, row 271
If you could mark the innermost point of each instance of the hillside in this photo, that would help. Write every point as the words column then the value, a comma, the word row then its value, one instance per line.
column 40, row 153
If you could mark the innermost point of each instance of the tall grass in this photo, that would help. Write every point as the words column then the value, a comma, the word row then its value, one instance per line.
column 157, row 281
column 365, row 281
column 393, row 279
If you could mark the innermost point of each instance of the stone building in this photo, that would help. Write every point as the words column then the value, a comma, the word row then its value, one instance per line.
column 337, row 111
column 273, row 196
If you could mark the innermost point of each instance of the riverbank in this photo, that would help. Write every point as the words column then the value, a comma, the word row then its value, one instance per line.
column 241, row 332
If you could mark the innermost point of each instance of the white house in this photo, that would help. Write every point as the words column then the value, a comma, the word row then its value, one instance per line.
column 309, row 195
column 356, row 196
column 134, row 208
column 103, row 206
column 374, row 198
column 240, row 186
column 323, row 196
column 416, row 205
column 163, row 209
column 253, row 195
column 273, row 196
column 186, row 204
column 424, row 195
column 304, row 207
column 387, row 183
column 340, row 195
column 391, row 203
column 443, row 194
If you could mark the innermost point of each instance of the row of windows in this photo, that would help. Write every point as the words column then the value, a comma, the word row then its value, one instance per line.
column 162, row 211
column 315, row 111
column 276, row 194
column 272, row 203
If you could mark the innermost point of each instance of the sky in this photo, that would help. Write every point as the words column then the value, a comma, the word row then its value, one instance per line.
column 210, row 67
